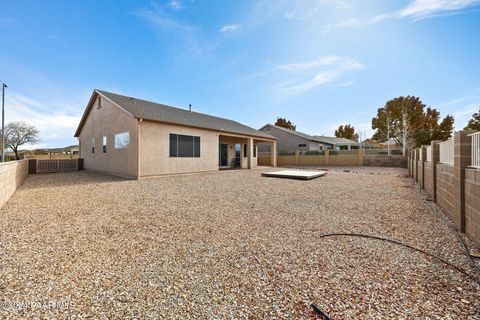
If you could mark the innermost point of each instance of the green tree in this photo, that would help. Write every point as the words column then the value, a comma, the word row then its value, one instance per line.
column 284, row 123
column 346, row 131
column 406, row 120
column 474, row 123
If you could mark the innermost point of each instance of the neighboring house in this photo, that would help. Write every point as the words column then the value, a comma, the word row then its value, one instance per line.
column 135, row 138
column 293, row 140
column 372, row 144
column 70, row 150
column 392, row 143
column 341, row 143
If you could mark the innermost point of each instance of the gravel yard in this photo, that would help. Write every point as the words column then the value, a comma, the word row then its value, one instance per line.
column 228, row 245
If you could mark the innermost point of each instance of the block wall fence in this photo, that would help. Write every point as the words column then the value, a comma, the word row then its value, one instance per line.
column 12, row 175
column 453, row 182
column 338, row 158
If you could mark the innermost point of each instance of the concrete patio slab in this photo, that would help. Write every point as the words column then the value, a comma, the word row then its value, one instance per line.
column 295, row 174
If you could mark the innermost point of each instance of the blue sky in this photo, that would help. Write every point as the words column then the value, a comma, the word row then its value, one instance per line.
column 319, row 63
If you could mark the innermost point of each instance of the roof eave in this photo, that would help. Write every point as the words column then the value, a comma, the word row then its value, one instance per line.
column 205, row 128
column 85, row 113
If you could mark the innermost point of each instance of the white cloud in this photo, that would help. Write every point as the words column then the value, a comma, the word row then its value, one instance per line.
column 56, row 126
column 176, row 5
column 365, row 21
column 302, row 10
column 461, row 109
column 416, row 10
column 311, row 10
column 311, row 74
column 320, row 61
column 161, row 20
column 301, row 87
column 464, row 114
column 454, row 101
column 420, row 9
column 187, row 41
column 230, row 27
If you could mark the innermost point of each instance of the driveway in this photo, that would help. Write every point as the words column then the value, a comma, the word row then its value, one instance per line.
column 228, row 245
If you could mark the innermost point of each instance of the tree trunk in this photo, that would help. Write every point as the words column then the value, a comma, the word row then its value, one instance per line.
column 17, row 156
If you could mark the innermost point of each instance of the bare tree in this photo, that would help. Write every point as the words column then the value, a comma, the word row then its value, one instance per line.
column 19, row 133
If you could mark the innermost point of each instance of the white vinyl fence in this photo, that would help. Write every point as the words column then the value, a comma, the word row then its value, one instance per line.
column 476, row 150
column 446, row 152
column 429, row 153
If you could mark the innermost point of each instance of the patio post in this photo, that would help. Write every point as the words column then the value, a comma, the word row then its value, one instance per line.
column 250, row 153
column 273, row 155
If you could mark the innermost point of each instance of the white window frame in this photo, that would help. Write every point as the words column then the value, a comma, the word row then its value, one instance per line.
column 104, row 144
column 118, row 139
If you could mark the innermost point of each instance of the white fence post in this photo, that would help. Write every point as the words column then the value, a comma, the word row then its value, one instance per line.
column 447, row 149
column 429, row 153
column 475, row 150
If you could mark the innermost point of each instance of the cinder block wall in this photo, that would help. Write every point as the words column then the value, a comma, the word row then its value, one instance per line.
column 472, row 204
column 12, row 175
column 445, row 189
column 428, row 177
column 455, row 187
column 385, row 161
column 420, row 172
column 351, row 158
column 415, row 164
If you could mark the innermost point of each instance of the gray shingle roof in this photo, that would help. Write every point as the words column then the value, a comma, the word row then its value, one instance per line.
column 339, row 141
column 148, row 110
column 300, row 134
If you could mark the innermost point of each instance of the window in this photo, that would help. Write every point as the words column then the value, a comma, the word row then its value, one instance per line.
column 245, row 150
column 183, row 146
column 302, row 145
column 104, row 144
column 173, row 145
column 122, row 140
column 93, row 145
column 321, row 147
column 254, row 150
column 99, row 102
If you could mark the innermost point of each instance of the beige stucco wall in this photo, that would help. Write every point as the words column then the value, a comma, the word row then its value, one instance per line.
column 12, row 175
column 148, row 153
column 155, row 150
column 107, row 121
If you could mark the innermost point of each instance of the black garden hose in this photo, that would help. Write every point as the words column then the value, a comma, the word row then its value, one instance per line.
column 401, row 244
column 449, row 224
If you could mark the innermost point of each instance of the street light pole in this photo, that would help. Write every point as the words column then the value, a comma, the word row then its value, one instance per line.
column 3, row 121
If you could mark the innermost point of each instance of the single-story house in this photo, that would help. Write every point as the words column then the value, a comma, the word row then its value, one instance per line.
column 293, row 140
column 392, row 143
column 135, row 138
column 70, row 150
column 372, row 144
column 341, row 143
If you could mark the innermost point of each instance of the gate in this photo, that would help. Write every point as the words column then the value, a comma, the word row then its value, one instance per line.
column 52, row 166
